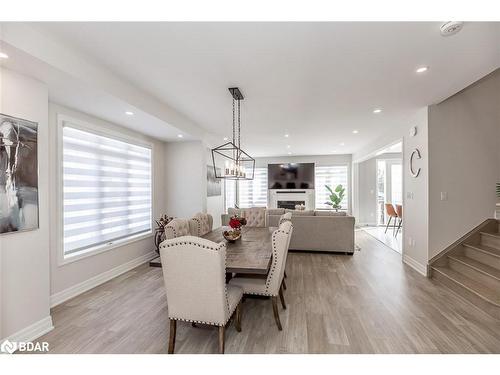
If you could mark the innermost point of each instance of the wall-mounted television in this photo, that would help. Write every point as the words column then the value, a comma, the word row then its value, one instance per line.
column 290, row 176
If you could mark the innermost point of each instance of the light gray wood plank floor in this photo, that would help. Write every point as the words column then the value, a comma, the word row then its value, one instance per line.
column 367, row 303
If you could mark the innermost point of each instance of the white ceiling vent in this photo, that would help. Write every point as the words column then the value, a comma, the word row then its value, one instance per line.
column 451, row 28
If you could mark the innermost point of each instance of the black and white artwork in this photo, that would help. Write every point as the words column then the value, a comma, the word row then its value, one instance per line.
column 18, row 175
column 213, row 184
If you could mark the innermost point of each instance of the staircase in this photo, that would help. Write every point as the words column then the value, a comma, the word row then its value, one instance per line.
column 471, row 267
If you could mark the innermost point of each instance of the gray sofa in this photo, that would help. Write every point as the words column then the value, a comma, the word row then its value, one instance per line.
column 314, row 230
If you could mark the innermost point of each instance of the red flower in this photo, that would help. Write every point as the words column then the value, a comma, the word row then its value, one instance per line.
column 234, row 223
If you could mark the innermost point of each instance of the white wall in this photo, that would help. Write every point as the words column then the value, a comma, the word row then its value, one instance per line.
column 185, row 189
column 71, row 274
column 318, row 160
column 416, row 195
column 367, row 193
column 24, row 276
column 464, row 150
column 215, row 204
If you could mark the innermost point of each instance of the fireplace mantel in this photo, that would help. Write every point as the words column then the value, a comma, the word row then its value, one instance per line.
column 296, row 195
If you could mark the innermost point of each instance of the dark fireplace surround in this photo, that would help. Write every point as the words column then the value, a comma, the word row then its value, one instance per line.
column 289, row 204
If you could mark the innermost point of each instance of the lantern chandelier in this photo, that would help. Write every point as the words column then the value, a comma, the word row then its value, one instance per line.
column 229, row 160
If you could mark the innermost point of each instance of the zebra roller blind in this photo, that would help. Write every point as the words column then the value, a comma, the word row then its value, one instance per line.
column 106, row 190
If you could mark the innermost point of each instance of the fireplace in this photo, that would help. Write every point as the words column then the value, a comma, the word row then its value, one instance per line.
column 290, row 204
column 282, row 198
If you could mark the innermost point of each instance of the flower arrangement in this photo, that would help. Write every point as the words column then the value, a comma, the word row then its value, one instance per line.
column 235, row 222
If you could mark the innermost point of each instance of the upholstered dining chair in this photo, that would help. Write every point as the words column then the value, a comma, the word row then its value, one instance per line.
column 201, row 224
column 271, row 285
column 399, row 212
column 391, row 212
column 285, row 217
column 194, row 270
column 256, row 216
column 177, row 228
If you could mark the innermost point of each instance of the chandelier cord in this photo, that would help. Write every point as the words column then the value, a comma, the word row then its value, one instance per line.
column 239, row 125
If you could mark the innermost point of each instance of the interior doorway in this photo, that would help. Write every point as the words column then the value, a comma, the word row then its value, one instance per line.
column 389, row 187
column 388, row 197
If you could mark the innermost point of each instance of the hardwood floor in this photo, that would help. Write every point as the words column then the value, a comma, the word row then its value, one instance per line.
column 366, row 303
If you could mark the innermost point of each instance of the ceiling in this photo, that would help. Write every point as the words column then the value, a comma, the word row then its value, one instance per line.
column 316, row 82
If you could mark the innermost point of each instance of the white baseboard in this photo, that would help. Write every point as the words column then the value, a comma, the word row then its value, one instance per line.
column 417, row 266
column 75, row 290
column 33, row 331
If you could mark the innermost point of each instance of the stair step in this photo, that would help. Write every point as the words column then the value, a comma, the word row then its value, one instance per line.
column 483, row 254
column 475, row 270
column 490, row 240
column 480, row 295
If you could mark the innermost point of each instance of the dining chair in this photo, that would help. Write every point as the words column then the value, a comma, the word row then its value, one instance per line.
column 194, row 271
column 256, row 216
column 391, row 212
column 271, row 285
column 285, row 217
column 201, row 224
column 399, row 212
column 177, row 228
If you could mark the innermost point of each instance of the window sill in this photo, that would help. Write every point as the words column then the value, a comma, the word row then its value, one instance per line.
column 66, row 259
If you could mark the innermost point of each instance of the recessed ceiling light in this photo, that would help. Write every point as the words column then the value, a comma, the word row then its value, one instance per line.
column 180, row 136
column 289, row 153
column 422, row 69
column 129, row 113
column 378, row 110
column 355, row 131
column 288, row 146
column 225, row 138
column 287, row 135
column 342, row 144
column 3, row 55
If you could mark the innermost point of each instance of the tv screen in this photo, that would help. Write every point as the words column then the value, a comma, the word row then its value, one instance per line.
column 290, row 176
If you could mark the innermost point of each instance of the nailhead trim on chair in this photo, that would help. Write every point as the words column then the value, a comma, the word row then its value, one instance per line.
column 284, row 220
column 275, row 260
column 218, row 248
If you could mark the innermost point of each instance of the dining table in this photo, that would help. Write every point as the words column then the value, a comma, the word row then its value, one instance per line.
column 250, row 254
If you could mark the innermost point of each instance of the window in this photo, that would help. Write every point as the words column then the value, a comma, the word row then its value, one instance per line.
column 331, row 176
column 253, row 193
column 247, row 193
column 106, row 190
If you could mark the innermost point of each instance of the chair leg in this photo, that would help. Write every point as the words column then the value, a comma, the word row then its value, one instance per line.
column 399, row 227
column 283, row 284
column 193, row 324
column 171, row 341
column 274, row 300
column 394, row 226
column 282, row 298
column 238, row 317
column 222, row 330
column 285, row 275
column 388, row 223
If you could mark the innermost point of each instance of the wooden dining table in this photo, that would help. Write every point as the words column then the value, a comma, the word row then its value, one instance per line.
column 251, row 254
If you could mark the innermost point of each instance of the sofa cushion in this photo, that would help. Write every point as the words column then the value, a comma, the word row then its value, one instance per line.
column 301, row 212
column 329, row 213
column 275, row 211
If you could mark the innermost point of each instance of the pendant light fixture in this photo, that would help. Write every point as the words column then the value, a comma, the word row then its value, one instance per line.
column 229, row 160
